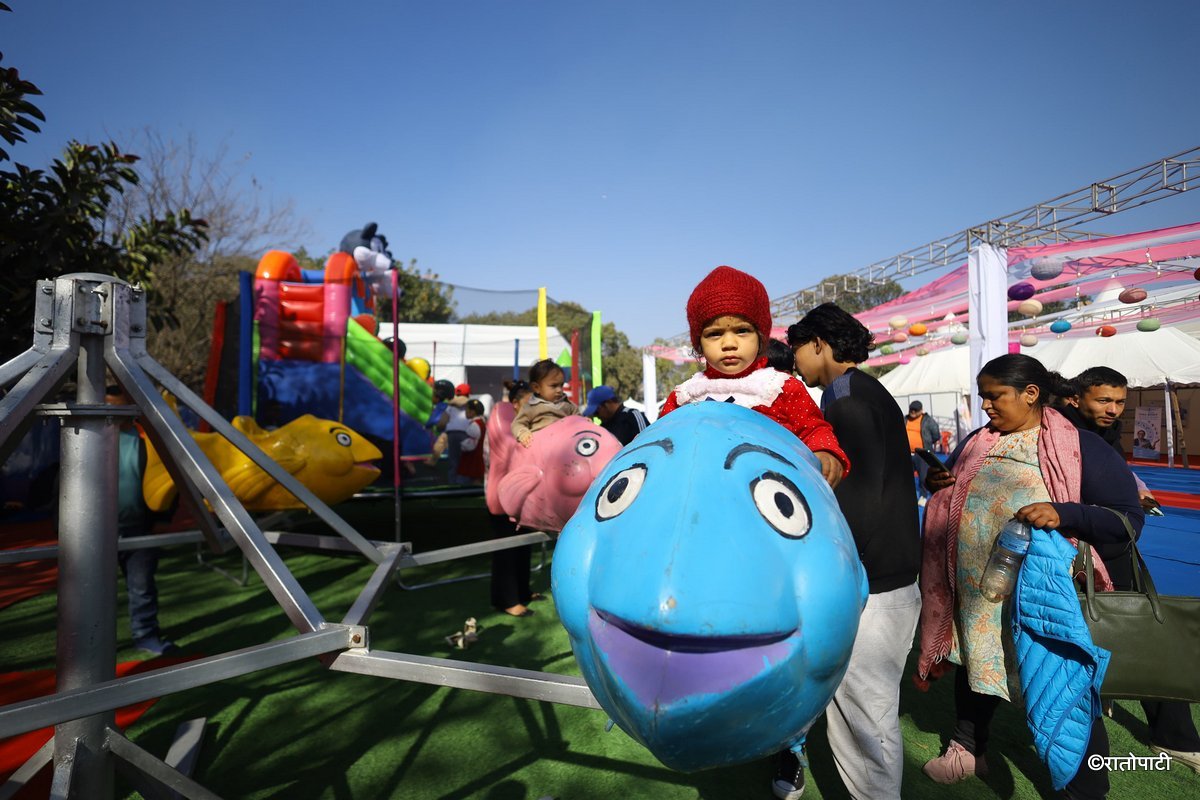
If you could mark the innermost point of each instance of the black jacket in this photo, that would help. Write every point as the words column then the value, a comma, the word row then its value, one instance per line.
column 877, row 498
column 626, row 424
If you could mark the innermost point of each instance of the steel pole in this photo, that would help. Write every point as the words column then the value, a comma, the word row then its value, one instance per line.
column 87, row 564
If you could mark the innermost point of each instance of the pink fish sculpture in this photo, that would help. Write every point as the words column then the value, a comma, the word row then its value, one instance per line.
column 540, row 486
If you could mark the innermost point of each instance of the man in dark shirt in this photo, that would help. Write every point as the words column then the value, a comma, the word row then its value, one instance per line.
column 1097, row 407
column 623, row 423
column 877, row 499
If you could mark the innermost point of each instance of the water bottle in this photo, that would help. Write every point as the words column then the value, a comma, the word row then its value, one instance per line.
column 1000, row 575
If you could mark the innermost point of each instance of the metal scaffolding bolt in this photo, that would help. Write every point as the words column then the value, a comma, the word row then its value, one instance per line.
column 135, row 328
column 44, row 322
column 356, row 638
column 47, row 290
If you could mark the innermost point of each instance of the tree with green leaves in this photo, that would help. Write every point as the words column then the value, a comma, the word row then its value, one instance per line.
column 52, row 220
column 423, row 297
column 855, row 294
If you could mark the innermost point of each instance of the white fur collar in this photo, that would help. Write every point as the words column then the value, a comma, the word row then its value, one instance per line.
column 759, row 388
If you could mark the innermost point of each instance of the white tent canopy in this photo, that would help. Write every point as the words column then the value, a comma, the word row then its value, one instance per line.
column 1145, row 359
column 450, row 349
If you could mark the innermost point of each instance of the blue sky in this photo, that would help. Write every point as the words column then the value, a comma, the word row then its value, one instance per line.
column 614, row 151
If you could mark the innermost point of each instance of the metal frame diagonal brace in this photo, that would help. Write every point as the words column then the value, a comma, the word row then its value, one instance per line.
column 89, row 321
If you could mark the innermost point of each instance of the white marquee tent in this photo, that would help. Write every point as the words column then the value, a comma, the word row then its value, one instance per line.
column 940, row 379
column 1146, row 359
column 461, row 353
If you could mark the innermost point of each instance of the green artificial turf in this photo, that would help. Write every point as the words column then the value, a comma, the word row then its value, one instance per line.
column 301, row 731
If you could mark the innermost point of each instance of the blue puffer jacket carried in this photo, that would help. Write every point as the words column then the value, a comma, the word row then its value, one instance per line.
column 1060, row 669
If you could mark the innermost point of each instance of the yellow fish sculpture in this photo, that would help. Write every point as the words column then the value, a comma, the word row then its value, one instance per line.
column 331, row 460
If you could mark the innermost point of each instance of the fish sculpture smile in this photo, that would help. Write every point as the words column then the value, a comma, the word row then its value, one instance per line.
column 711, row 588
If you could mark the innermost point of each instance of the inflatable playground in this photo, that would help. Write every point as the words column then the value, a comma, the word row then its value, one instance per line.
column 362, row 652
column 316, row 353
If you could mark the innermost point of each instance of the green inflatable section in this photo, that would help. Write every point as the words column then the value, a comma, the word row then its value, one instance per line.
column 373, row 358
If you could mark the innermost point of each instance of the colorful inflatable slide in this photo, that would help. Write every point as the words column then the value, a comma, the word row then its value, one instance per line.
column 317, row 353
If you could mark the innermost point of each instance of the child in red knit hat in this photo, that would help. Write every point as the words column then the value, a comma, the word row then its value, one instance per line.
column 729, row 318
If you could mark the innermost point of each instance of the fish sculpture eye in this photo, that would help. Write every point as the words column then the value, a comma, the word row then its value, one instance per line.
column 620, row 492
column 781, row 504
column 587, row 446
column 343, row 438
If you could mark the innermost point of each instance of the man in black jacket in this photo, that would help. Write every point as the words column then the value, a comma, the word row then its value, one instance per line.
column 1097, row 407
column 877, row 499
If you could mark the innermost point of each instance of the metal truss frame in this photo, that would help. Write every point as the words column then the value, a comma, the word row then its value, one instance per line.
column 1050, row 222
column 87, row 322
column 1055, row 220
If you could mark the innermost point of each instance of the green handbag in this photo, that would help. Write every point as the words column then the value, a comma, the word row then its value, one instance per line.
column 1154, row 640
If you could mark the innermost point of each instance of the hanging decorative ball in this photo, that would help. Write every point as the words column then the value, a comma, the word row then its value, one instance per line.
column 1021, row 291
column 900, row 337
column 1106, row 331
column 918, row 329
column 905, row 360
column 1014, row 348
column 1149, row 324
column 1134, row 295
column 959, row 338
column 898, row 322
column 1060, row 326
column 1046, row 269
column 1196, row 274
column 887, row 349
column 1028, row 340
column 1030, row 308
column 922, row 351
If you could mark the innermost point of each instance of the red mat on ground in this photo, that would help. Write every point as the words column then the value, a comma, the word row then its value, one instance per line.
column 28, row 578
column 18, row 686
column 1177, row 499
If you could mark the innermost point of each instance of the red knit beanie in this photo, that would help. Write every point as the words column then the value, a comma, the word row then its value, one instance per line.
column 724, row 291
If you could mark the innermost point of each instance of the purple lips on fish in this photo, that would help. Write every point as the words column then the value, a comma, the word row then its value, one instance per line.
column 660, row 669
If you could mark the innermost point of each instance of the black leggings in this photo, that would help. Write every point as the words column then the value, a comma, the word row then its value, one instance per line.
column 510, row 568
column 972, row 729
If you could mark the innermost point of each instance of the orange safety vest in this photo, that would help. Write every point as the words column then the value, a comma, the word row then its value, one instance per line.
column 913, row 426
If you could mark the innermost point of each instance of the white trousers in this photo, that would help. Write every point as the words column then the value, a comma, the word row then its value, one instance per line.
column 864, row 717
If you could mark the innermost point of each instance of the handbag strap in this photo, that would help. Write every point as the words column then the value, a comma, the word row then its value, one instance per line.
column 1143, row 583
column 1137, row 565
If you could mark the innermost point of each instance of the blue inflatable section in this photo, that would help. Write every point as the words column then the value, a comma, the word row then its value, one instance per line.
column 288, row 389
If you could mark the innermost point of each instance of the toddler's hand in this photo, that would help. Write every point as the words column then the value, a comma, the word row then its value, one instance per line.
column 831, row 468
column 525, row 439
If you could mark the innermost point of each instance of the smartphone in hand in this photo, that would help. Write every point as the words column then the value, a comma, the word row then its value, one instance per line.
column 935, row 463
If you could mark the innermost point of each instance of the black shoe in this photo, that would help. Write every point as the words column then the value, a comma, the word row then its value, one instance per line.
column 789, row 777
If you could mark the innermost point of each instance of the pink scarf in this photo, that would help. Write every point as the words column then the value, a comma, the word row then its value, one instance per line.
column 1058, row 458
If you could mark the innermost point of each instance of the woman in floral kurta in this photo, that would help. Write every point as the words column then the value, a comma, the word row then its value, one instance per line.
column 1008, row 480
column 1030, row 463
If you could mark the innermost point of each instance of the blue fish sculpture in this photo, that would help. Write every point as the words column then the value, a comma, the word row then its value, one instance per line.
column 711, row 588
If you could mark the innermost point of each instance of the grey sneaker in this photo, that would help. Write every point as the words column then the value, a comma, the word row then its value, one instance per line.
column 789, row 777
column 1188, row 759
